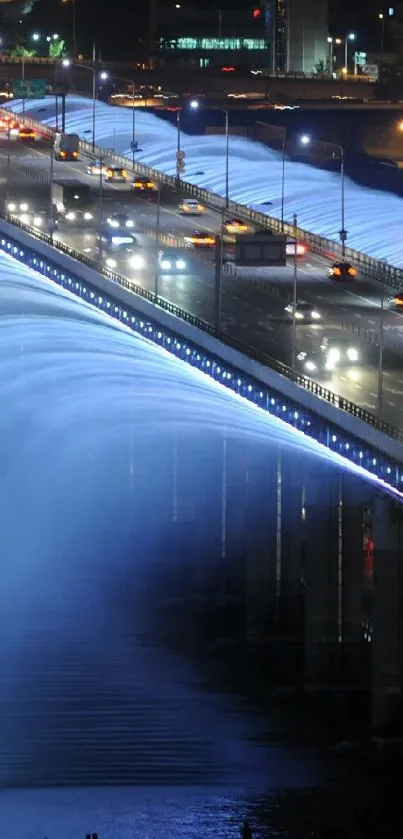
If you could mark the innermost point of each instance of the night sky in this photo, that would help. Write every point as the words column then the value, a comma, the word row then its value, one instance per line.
column 120, row 27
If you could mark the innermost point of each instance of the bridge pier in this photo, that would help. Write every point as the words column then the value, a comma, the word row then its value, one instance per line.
column 262, row 546
column 322, row 580
column 387, row 641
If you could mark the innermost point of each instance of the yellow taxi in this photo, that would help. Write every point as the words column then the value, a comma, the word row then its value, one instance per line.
column 396, row 302
column 115, row 173
column 144, row 185
column 200, row 239
column 25, row 133
column 341, row 271
column 235, row 226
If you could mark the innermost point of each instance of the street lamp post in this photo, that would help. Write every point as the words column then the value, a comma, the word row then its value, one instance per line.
column 294, row 296
column 350, row 37
column 381, row 18
column 133, row 127
column 94, row 91
column 194, row 105
column 306, row 141
column 283, row 178
column 380, row 359
column 330, row 42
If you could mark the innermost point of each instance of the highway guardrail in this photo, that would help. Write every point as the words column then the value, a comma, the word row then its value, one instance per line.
column 373, row 268
column 227, row 339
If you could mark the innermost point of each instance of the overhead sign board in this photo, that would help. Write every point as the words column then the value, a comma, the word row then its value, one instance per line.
column 28, row 88
column 261, row 250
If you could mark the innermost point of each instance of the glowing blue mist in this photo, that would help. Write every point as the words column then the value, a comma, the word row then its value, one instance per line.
column 94, row 512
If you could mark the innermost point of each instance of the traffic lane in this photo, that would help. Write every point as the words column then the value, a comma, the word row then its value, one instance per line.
column 254, row 322
column 191, row 290
column 171, row 219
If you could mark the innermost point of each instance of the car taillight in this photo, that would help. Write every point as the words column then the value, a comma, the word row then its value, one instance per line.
column 336, row 272
column 352, row 272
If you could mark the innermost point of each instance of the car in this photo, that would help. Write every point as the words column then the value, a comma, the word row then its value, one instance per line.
column 35, row 218
column 396, row 302
column 115, row 173
column 191, row 207
column 96, row 169
column 341, row 271
column 304, row 312
column 17, row 207
column 120, row 221
column 200, row 239
column 290, row 245
column 170, row 260
column 331, row 355
column 235, row 226
column 26, row 133
column 144, row 185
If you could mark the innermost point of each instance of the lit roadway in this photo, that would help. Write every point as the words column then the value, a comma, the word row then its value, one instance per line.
column 254, row 300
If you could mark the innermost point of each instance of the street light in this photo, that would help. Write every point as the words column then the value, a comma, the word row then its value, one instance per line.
column 381, row 18
column 306, row 140
column 73, row 8
column 66, row 62
column 194, row 104
column 36, row 36
column 330, row 42
column 350, row 37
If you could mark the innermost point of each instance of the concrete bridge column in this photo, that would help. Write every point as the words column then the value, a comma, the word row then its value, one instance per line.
column 387, row 639
column 322, row 575
column 262, row 542
column 292, row 540
column 356, row 671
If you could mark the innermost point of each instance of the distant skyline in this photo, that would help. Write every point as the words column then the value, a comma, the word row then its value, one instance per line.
column 121, row 31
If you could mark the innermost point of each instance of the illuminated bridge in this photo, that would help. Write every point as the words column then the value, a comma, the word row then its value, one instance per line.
column 294, row 505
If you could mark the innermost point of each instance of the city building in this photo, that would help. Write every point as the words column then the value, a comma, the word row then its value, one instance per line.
column 283, row 36
column 296, row 32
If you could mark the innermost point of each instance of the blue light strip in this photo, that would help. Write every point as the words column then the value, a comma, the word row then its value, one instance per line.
column 268, row 399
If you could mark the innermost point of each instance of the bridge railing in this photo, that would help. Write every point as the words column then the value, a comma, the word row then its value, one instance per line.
column 376, row 269
column 263, row 358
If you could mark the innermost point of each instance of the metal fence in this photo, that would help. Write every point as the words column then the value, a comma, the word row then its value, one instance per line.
column 227, row 339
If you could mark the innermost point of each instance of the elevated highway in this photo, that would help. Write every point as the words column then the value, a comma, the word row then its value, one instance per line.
column 254, row 300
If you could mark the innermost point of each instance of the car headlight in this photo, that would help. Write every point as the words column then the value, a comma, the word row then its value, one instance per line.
column 129, row 223
column 24, row 217
column 37, row 221
column 330, row 365
column 315, row 315
column 299, row 316
column 11, row 207
column 310, row 366
column 112, row 222
column 165, row 264
column 137, row 262
column 334, row 355
column 110, row 263
column 352, row 354
column 24, row 207
column 180, row 264
column 87, row 216
column 70, row 216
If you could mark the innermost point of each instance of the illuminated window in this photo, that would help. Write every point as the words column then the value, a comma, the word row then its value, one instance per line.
column 214, row 44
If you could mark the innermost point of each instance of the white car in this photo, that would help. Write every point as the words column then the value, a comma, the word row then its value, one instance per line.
column 191, row 207
column 306, row 312
column 290, row 248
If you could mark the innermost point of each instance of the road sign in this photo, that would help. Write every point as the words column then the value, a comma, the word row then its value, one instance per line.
column 260, row 250
column 28, row 88
column 180, row 155
column 134, row 145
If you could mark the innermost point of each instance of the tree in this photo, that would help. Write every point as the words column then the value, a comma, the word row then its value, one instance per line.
column 57, row 49
column 22, row 52
column 320, row 66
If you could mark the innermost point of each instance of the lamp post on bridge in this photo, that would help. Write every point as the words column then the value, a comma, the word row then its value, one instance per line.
column 306, row 140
